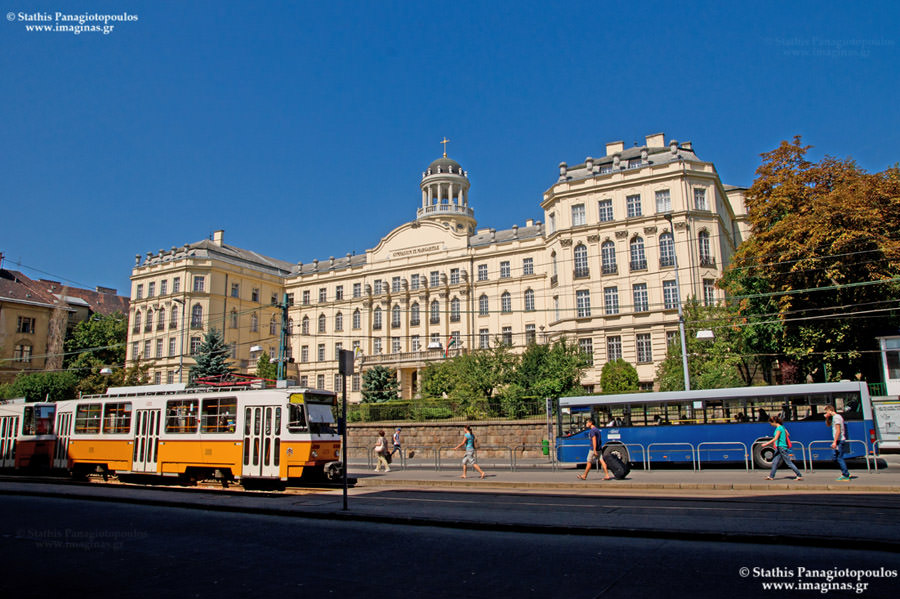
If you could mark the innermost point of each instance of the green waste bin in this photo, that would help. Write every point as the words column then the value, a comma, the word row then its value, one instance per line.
column 545, row 446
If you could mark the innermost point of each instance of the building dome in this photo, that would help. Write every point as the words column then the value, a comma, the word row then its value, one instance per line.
column 445, row 196
column 444, row 165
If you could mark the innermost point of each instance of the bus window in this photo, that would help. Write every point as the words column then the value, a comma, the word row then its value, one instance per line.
column 573, row 420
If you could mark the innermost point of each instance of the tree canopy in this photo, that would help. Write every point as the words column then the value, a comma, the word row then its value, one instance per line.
column 821, row 274
column 379, row 384
column 266, row 369
column 619, row 376
column 212, row 357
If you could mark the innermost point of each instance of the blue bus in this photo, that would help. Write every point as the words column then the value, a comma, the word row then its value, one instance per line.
column 715, row 425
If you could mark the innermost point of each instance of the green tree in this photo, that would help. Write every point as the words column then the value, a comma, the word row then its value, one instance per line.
column 266, row 369
column 824, row 259
column 619, row 376
column 101, row 338
column 380, row 384
column 41, row 386
column 212, row 357
column 437, row 379
column 551, row 370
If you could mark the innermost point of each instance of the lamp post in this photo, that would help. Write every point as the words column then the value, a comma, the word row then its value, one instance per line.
column 181, row 351
column 684, row 360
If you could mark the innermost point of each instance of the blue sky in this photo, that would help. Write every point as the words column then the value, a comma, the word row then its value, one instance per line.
column 302, row 128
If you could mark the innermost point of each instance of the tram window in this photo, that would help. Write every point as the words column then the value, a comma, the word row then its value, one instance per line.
column 117, row 417
column 277, row 421
column 87, row 418
column 218, row 415
column 297, row 419
column 38, row 420
column 181, row 416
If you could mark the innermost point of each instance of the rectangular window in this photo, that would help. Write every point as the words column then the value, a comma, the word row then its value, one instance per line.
column 613, row 348
column 506, row 336
column 25, row 325
column 395, row 345
column 504, row 270
column 672, row 338
column 663, row 201
column 176, row 285
column 338, row 383
column 147, row 355
column 304, row 381
column 556, row 307
column 199, row 284
column 482, row 272
column 644, row 349
column 320, row 381
column 611, row 300
column 337, row 350
column 670, row 295
column 528, row 266
column 254, row 295
column 290, row 299
column 641, row 303
column 434, row 278
column 587, row 348
column 22, row 353
column 606, row 211
column 159, row 348
column 235, row 290
column 709, row 292
column 181, row 416
column 139, row 292
column 320, row 352
column 218, row 415
column 355, row 382
column 357, row 289
column 87, row 418
column 304, row 353
column 170, row 377
column 323, row 295
column 151, row 289
column 484, row 339
column 700, row 199
column 171, row 347
column 163, row 287
column 376, row 345
column 413, row 282
column 530, row 334
column 395, row 284
column 633, row 206
column 195, row 345
column 305, row 298
column 578, row 217
column 414, row 342
column 339, row 292
column 551, row 223
column 454, row 276
column 583, row 303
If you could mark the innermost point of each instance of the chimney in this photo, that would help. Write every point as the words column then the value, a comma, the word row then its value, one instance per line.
column 614, row 146
column 218, row 237
column 688, row 146
column 657, row 140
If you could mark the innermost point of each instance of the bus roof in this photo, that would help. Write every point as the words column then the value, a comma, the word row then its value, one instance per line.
column 728, row 393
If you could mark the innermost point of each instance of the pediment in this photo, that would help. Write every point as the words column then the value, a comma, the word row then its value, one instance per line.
column 417, row 239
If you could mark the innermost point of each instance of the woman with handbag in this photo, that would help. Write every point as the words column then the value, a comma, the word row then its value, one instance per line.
column 781, row 443
column 381, row 449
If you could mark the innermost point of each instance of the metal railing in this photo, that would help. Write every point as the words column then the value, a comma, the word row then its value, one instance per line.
column 827, row 443
column 723, row 444
column 803, row 454
column 673, row 445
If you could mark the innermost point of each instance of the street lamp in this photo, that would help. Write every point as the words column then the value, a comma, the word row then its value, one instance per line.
column 684, row 360
column 181, row 352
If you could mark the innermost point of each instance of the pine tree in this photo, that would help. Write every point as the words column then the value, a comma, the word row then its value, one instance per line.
column 212, row 357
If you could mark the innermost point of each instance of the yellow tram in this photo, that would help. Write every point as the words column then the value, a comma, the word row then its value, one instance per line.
column 228, row 433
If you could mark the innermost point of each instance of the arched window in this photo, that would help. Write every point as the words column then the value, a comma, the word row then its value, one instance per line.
column 376, row 318
column 638, row 259
column 149, row 324
column 357, row 318
column 608, row 258
column 553, row 264
column 414, row 314
column 173, row 318
column 338, row 322
column 321, row 323
column 160, row 318
column 254, row 323
column 703, row 247
column 666, row 250
column 529, row 300
column 581, row 261
column 304, row 326
column 483, row 308
column 506, row 302
column 395, row 316
column 273, row 326
column 435, row 312
column 290, row 326
column 454, row 310
column 197, row 316
column 137, row 321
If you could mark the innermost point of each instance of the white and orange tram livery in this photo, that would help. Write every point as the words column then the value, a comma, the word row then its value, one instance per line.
column 26, row 434
column 225, row 433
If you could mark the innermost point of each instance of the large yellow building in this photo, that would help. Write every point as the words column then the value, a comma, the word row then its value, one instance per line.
column 599, row 269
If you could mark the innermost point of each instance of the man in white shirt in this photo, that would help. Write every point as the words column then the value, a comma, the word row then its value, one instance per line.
column 839, row 442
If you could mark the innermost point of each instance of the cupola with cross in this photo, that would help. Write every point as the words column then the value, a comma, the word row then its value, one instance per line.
column 445, row 194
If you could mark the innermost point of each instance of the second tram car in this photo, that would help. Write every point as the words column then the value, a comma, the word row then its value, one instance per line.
column 224, row 433
column 26, row 434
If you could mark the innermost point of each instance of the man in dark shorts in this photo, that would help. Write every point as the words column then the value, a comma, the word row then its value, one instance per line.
column 594, row 453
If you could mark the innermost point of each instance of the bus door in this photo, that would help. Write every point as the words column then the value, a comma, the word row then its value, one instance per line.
column 146, row 440
column 260, row 448
column 63, row 432
column 9, row 427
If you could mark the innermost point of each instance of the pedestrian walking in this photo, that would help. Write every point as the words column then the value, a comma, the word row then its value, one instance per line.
column 594, row 453
column 781, row 443
column 395, row 439
column 839, row 440
column 381, row 453
column 469, row 459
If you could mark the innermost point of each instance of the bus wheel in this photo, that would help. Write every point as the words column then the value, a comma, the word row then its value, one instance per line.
column 618, row 450
column 763, row 456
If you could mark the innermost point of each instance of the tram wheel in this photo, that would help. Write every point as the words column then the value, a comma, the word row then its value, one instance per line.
column 763, row 456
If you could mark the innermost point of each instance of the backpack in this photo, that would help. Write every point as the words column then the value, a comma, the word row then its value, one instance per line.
column 787, row 439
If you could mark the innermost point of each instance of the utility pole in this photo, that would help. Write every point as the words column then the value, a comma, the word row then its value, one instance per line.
column 282, row 343
column 345, row 367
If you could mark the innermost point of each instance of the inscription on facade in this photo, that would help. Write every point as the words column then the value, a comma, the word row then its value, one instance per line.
column 417, row 251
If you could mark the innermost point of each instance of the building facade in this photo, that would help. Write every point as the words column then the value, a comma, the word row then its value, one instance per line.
column 600, row 272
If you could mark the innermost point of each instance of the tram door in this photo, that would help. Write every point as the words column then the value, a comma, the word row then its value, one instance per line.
column 9, row 426
column 63, row 431
column 261, row 445
column 146, row 440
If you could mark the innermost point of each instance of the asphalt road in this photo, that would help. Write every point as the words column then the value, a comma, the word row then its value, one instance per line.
column 85, row 548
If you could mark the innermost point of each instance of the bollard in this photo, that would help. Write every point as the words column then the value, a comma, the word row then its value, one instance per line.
column 545, row 446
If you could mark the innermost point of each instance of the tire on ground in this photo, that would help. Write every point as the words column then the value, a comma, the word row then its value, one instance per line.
column 763, row 456
column 619, row 450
